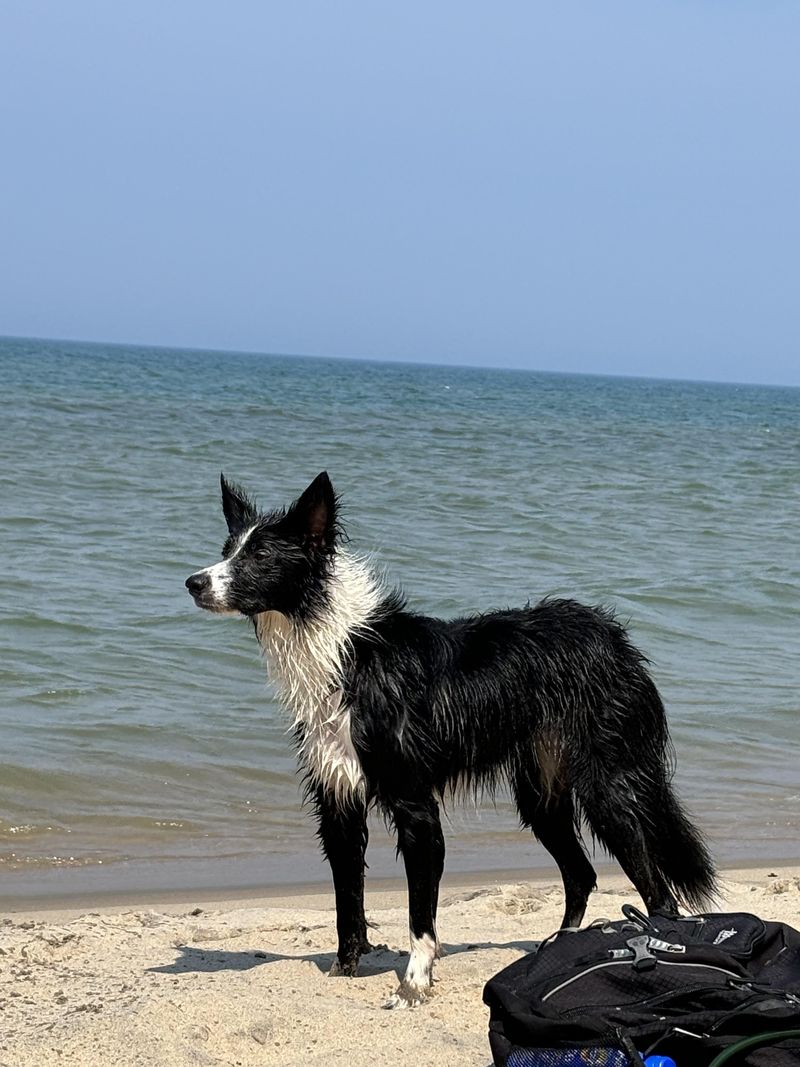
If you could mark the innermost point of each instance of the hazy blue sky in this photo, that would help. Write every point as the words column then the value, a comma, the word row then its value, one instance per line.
column 601, row 186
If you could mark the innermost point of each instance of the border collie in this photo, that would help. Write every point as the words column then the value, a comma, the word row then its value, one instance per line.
column 394, row 709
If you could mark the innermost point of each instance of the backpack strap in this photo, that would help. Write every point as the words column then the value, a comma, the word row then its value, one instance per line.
column 635, row 1057
column 759, row 1041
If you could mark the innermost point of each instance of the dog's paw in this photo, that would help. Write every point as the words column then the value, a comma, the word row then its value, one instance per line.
column 346, row 969
column 408, row 996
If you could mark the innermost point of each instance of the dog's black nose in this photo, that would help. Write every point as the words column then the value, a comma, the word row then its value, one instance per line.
column 196, row 583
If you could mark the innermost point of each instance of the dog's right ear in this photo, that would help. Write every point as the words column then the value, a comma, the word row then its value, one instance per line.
column 239, row 510
column 312, row 517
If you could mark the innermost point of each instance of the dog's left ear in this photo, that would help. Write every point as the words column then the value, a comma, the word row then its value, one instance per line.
column 313, row 515
column 239, row 510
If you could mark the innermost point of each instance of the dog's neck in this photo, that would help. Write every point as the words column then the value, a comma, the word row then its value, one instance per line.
column 306, row 660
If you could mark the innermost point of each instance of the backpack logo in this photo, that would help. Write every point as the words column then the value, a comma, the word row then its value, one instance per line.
column 723, row 935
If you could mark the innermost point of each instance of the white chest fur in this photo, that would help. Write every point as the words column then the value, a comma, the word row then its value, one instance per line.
column 306, row 661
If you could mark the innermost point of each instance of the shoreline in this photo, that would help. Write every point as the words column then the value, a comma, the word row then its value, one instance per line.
column 318, row 893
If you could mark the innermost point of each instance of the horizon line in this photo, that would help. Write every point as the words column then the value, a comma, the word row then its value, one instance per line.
column 393, row 361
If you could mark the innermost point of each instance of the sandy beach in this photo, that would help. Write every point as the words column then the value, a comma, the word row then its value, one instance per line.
column 244, row 982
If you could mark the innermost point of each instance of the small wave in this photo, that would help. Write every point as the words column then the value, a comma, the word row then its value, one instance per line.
column 57, row 696
column 35, row 621
column 14, row 861
column 9, row 830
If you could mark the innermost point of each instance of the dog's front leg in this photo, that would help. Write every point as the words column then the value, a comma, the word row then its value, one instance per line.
column 343, row 834
column 419, row 837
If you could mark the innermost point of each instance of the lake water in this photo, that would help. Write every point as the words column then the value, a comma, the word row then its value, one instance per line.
column 140, row 744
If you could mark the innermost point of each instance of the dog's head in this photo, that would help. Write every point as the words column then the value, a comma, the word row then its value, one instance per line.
column 274, row 561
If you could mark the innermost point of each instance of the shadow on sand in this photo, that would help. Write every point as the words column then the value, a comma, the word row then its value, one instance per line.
column 381, row 960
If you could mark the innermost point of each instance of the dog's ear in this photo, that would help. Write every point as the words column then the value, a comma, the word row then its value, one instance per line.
column 239, row 510
column 313, row 515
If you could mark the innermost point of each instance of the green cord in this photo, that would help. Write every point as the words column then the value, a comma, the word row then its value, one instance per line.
column 752, row 1042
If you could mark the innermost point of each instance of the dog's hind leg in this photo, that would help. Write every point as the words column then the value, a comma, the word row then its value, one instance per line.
column 343, row 835
column 420, row 840
column 552, row 820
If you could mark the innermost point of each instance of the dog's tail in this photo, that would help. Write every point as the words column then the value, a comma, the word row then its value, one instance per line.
column 622, row 783
column 641, row 822
column 677, row 849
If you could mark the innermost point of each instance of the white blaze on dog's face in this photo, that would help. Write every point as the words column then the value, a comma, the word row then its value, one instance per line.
column 271, row 562
column 211, row 586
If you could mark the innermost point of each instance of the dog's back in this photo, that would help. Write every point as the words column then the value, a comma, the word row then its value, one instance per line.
column 481, row 696
column 554, row 699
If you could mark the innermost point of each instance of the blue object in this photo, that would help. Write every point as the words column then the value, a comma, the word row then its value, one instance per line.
column 569, row 1057
column 579, row 1057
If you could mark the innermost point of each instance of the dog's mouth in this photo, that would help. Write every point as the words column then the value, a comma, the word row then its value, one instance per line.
column 209, row 603
column 202, row 601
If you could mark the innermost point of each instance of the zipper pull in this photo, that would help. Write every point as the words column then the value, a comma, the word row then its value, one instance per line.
column 643, row 958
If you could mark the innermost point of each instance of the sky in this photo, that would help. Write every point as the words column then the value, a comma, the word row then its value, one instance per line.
column 596, row 187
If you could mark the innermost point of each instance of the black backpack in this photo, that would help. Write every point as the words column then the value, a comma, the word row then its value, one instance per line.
column 682, row 987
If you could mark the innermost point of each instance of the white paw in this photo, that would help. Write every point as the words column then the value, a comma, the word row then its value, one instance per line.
column 407, row 996
column 336, row 969
column 396, row 1001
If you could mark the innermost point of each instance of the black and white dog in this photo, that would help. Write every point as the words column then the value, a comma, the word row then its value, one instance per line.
column 393, row 709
